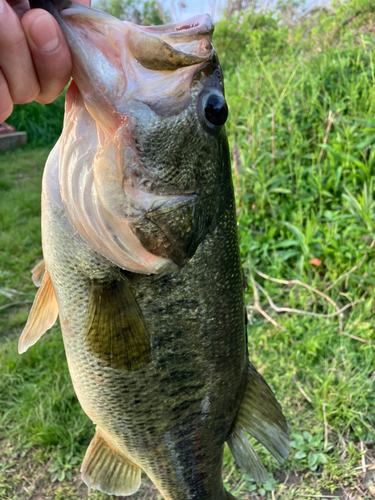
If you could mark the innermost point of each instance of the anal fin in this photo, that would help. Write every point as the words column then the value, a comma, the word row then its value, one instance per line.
column 42, row 317
column 245, row 455
column 261, row 416
column 105, row 469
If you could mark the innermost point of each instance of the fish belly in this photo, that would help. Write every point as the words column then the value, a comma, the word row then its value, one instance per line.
column 172, row 415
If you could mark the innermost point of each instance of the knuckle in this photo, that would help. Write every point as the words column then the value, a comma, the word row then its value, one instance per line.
column 25, row 96
column 45, row 99
column 50, row 94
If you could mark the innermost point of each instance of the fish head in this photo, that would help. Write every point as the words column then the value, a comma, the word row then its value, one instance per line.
column 143, row 138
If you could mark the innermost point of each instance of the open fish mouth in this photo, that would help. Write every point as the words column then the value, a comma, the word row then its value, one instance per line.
column 115, row 61
column 155, row 47
column 190, row 42
column 123, row 72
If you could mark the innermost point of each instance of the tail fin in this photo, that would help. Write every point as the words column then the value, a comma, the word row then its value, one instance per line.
column 261, row 416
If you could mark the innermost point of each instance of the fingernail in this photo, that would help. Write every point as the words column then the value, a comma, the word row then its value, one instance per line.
column 43, row 33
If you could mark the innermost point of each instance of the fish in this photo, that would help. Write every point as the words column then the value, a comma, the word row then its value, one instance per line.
column 141, row 262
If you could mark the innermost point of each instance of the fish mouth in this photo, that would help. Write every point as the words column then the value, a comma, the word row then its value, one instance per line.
column 119, row 71
column 166, row 47
column 173, row 46
column 116, row 62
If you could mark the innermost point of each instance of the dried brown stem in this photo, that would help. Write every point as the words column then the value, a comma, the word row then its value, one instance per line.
column 300, row 311
column 363, row 457
column 316, row 496
column 325, row 140
column 161, row 13
column 325, row 427
column 314, row 290
column 354, row 337
column 367, row 466
column 11, row 304
column 302, row 391
column 278, row 493
column 257, row 307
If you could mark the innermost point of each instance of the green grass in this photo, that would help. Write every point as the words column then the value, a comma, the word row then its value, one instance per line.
column 41, row 122
column 305, row 190
column 37, row 401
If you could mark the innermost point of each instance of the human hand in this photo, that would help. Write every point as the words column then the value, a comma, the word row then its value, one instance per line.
column 35, row 61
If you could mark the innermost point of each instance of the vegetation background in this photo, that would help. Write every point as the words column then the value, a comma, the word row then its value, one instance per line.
column 300, row 88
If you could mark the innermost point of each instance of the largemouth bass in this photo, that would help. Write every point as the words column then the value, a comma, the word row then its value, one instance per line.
column 142, row 265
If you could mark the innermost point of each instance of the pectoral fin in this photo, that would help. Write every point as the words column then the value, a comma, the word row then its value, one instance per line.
column 42, row 316
column 261, row 416
column 115, row 329
column 105, row 469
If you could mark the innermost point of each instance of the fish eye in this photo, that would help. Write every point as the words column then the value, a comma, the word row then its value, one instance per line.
column 215, row 110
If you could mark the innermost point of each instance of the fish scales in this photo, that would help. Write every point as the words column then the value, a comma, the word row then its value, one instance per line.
column 178, row 395
column 140, row 251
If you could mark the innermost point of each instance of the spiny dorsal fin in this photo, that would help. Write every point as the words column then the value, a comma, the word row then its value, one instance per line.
column 115, row 329
column 261, row 416
column 245, row 455
column 107, row 470
column 42, row 316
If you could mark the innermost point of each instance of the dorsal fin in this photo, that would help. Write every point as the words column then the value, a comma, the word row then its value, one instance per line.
column 42, row 316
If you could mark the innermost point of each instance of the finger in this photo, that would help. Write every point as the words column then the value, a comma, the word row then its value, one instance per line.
column 15, row 58
column 6, row 104
column 50, row 53
column 19, row 6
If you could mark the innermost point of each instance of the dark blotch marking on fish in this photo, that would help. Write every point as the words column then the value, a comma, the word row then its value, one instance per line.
column 187, row 389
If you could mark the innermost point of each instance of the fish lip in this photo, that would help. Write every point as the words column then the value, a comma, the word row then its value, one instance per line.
column 199, row 25
column 196, row 26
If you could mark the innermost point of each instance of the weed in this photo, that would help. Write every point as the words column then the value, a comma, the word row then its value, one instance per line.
column 62, row 467
column 311, row 450
column 302, row 106
column 42, row 123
